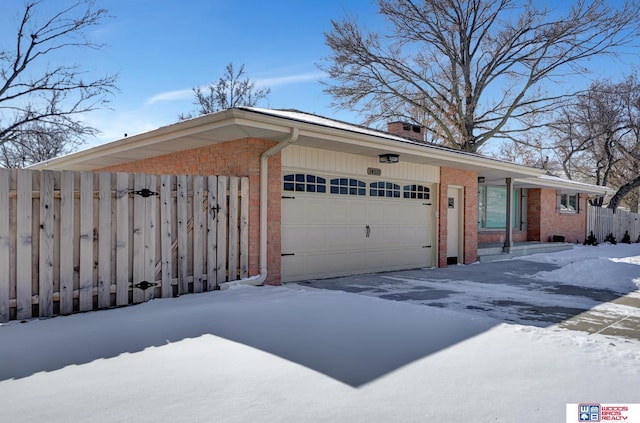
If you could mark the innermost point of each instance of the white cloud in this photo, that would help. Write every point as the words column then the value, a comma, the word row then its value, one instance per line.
column 264, row 82
column 171, row 96
column 289, row 79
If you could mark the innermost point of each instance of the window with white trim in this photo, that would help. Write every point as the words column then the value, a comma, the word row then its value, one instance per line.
column 568, row 203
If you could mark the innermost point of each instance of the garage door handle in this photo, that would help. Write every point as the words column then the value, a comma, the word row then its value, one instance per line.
column 367, row 231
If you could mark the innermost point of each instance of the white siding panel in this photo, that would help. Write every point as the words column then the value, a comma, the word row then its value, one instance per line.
column 307, row 158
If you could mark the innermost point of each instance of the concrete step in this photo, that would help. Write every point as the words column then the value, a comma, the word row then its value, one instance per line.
column 493, row 253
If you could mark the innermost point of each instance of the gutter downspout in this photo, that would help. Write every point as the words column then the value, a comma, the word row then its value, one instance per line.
column 264, row 191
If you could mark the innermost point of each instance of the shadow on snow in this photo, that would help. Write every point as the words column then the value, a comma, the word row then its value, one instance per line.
column 354, row 339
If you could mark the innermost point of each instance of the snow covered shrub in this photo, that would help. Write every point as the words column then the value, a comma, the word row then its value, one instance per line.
column 626, row 238
column 591, row 239
column 611, row 239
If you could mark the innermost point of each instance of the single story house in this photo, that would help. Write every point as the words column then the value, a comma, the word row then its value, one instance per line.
column 330, row 198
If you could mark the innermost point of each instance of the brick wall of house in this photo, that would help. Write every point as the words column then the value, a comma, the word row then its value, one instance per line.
column 499, row 236
column 235, row 158
column 468, row 180
column 545, row 220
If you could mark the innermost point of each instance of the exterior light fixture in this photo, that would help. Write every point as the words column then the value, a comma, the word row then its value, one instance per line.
column 389, row 158
column 481, row 179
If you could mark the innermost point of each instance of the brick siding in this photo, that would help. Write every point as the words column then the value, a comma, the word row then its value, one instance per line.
column 499, row 236
column 545, row 220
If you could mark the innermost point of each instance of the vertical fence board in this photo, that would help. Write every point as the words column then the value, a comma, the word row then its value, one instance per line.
column 5, row 246
column 222, row 229
column 122, row 239
column 150, row 237
column 139, row 219
column 104, row 241
column 166, row 236
column 244, row 228
column 46, row 252
column 198, row 234
column 86, row 241
column 67, row 229
column 212, row 252
column 182, row 228
column 24, row 239
column 234, row 183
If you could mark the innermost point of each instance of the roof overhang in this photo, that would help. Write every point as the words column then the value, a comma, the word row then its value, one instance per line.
column 314, row 131
column 553, row 182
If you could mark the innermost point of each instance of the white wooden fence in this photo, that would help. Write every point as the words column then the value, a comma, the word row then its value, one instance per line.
column 79, row 241
column 603, row 221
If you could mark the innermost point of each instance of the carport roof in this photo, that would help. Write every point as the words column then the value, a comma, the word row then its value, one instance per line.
column 314, row 131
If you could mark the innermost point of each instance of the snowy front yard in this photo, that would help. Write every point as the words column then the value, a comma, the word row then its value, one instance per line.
column 296, row 354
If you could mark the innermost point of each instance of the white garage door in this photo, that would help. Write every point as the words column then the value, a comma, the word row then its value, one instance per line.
column 335, row 226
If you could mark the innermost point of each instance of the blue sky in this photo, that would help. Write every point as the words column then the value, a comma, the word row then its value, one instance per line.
column 161, row 49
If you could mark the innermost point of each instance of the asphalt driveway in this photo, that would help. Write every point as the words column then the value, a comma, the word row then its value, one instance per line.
column 506, row 290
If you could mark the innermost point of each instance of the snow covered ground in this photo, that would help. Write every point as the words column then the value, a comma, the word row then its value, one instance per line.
column 297, row 354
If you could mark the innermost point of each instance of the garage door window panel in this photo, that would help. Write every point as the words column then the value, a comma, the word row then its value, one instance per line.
column 384, row 189
column 348, row 186
column 301, row 182
column 418, row 192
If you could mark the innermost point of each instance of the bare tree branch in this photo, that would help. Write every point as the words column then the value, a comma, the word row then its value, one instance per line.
column 39, row 96
column 469, row 66
column 231, row 90
column 598, row 136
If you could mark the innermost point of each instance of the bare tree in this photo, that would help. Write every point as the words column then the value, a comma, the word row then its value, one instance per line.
column 598, row 137
column 475, row 68
column 41, row 101
column 36, row 144
column 231, row 90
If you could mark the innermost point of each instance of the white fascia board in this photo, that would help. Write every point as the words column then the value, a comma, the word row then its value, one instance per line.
column 553, row 182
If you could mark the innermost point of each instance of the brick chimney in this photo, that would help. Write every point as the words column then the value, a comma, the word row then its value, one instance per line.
column 406, row 130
